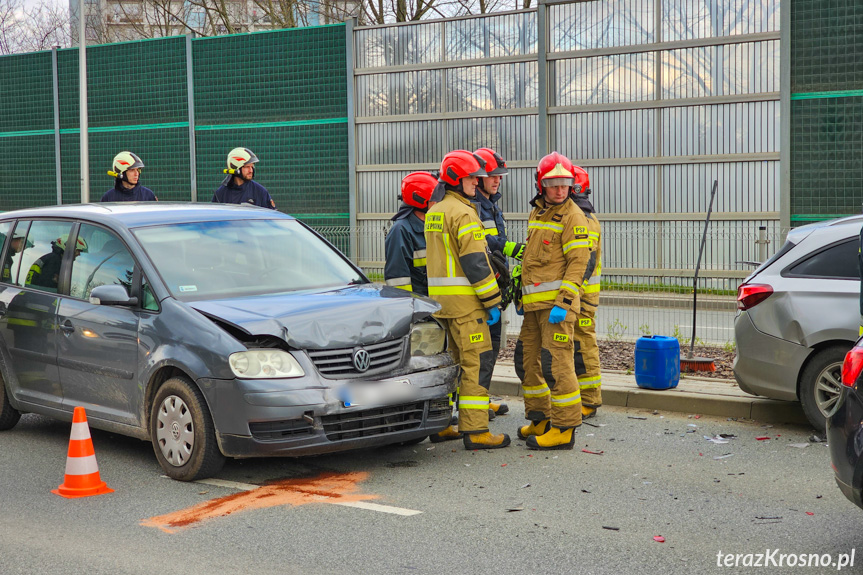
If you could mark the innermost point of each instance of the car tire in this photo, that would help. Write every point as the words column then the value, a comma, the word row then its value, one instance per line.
column 182, row 432
column 821, row 383
column 9, row 416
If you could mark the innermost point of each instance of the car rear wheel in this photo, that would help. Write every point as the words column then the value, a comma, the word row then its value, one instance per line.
column 183, row 433
column 9, row 416
column 821, row 384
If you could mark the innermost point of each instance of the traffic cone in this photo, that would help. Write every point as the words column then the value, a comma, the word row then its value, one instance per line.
column 82, row 473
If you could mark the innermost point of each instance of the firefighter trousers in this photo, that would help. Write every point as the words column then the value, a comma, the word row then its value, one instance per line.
column 469, row 342
column 495, row 331
column 544, row 362
column 586, row 357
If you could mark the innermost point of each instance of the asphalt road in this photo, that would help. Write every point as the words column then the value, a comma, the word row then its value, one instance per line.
column 503, row 511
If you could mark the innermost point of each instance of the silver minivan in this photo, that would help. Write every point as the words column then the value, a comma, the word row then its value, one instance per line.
column 799, row 316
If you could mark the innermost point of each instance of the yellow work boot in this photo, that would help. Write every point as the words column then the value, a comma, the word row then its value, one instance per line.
column 588, row 412
column 485, row 440
column 499, row 408
column 448, row 434
column 554, row 438
column 535, row 428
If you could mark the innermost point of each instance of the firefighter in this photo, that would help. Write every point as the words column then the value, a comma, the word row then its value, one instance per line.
column 461, row 280
column 405, row 244
column 239, row 186
column 45, row 272
column 16, row 246
column 555, row 259
column 586, row 350
column 495, row 234
column 126, row 170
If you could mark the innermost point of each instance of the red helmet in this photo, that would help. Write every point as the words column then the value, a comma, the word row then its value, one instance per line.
column 417, row 188
column 554, row 170
column 461, row 164
column 494, row 163
column 582, row 181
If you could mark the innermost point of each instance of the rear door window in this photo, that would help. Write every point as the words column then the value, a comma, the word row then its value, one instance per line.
column 839, row 261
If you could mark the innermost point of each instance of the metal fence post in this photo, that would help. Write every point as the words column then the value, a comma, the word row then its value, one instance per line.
column 762, row 243
column 352, row 136
column 542, row 76
column 190, row 95
column 56, row 81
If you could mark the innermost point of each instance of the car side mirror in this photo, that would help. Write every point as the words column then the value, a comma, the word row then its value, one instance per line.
column 112, row 295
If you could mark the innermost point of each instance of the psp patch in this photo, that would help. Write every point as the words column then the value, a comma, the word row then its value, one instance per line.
column 476, row 337
column 479, row 236
column 585, row 322
column 561, row 337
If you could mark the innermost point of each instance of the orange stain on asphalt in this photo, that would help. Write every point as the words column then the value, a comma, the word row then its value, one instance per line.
column 326, row 488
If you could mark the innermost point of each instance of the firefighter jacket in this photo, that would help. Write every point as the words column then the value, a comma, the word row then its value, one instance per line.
column 593, row 274
column 492, row 220
column 405, row 249
column 251, row 192
column 555, row 258
column 137, row 194
column 460, row 276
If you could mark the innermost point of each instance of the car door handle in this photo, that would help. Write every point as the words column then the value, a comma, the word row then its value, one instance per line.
column 67, row 328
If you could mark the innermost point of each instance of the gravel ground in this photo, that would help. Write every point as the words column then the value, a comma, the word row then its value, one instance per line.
column 620, row 355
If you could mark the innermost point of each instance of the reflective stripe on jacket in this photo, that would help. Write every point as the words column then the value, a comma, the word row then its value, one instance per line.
column 460, row 277
column 492, row 220
column 405, row 249
column 555, row 258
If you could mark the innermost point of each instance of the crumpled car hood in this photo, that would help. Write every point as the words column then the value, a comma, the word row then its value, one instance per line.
column 337, row 318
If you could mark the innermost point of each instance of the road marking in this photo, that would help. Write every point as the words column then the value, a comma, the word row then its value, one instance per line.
column 376, row 507
column 358, row 504
column 229, row 484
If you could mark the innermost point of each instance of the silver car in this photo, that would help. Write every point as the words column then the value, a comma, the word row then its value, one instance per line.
column 799, row 317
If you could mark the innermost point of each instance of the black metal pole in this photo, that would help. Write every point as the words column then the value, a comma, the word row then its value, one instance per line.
column 698, row 266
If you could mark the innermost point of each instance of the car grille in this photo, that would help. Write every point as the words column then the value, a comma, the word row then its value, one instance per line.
column 275, row 430
column 374, row 422
column 335, row 363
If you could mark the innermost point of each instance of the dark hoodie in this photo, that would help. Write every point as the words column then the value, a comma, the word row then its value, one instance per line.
column 250, row 192
column 137, row 194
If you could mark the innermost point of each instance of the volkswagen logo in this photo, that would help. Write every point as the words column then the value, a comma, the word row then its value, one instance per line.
column 362, row 360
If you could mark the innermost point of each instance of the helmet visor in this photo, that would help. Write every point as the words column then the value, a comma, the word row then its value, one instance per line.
column 552, row 182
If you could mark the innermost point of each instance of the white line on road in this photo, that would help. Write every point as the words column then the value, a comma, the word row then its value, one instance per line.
column 376, row 507
column 357, row 504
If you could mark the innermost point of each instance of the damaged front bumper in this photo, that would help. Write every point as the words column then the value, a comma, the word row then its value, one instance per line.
column 313, row 415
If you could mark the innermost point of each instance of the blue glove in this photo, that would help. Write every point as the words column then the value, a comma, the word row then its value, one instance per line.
column 519, row 310
column 557, row 315
column 493, row 315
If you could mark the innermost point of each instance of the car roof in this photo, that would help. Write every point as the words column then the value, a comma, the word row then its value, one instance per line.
column 138, row 214
column 849, row 225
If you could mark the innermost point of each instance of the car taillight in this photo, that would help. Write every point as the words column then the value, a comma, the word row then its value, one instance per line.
column 852, row 366
column 750, row 295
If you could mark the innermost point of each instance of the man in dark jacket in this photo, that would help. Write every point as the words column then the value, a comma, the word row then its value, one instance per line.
column 405, row 244
column 239, row 186
column 127, row 187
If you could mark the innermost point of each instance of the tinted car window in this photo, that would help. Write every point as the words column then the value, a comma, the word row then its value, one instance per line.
column 106, row 262
column 244, row 257
column 42, row 256
column 837, row 261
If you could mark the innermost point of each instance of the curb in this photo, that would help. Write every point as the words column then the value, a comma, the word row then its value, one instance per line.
column 750, row 407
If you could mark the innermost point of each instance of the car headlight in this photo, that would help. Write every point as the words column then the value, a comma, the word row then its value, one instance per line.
column 427, row 338
column 264, row 364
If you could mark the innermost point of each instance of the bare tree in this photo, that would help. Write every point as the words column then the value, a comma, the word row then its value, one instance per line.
column 46, row 26
column 11, row 14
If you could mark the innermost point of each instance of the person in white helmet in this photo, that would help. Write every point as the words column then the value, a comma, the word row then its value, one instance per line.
column 239, row 186
column 127, row 186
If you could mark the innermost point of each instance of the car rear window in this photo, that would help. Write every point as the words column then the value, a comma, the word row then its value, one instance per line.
column 837, row 261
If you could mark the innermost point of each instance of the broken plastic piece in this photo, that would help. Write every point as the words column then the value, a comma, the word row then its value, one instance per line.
column 636, row 417
column 723, row 456
column 659, row 538
column 593, row 452
column 809, row 513
column 762, row 438
column 611, row 528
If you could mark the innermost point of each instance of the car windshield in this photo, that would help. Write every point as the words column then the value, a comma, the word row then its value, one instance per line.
column 208, row 260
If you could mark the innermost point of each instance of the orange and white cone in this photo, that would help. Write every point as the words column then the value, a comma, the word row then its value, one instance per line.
column 82, row 473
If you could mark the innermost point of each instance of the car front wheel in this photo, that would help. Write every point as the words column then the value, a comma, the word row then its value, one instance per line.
column 821, row 384
column 183, row 433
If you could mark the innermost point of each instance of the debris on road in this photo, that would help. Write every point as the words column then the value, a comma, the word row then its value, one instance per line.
column 636, row 417
column 593, row 452
column 519, row 507
column 723, row 456
column 659, row 538
column 762, row 438
column 716, row 439
column 611, row 528
column 798, row 445
column 816, row 439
